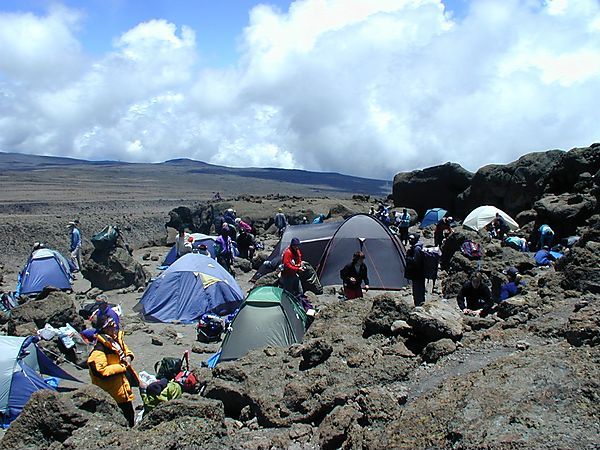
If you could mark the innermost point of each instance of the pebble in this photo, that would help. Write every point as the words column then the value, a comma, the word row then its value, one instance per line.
column 156, row 341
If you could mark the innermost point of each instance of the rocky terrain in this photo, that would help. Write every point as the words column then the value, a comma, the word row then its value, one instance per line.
column 375, row 373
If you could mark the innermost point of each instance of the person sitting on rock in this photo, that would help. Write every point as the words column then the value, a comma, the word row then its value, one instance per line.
column 543, row 257
column 292, row 265
column 182, row 243
column 475, row 298
column 159, row 392
column 245, row 244
column 109, row 365
column 546, row 236
column 513, row 286
column 353, row 275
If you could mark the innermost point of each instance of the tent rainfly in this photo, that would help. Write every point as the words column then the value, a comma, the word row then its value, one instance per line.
column 480, row 217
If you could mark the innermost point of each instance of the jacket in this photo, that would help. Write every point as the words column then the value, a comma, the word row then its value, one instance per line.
column 292, row 261
column 75, row 239
column 474, row 298
column 106, row 368
column 349, row 271
column 171, row 392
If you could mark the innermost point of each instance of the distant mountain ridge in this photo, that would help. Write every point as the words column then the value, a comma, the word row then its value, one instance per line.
column 18, row 162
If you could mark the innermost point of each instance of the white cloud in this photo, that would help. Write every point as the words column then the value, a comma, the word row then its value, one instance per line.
column 367, row 88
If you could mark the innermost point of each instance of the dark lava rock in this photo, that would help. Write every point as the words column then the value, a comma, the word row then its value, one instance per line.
column 387, row 309
column 113, row 269
column 50, row 418
column 57, row 309
column 565, row 211
column 269, row 279
column 188, row 406
column 315, row 352
column 584, row 326
column 243, row 264
column 333, row 431
column 340, row 211
column 580, row 267
column 436, row 186
column 435, row 350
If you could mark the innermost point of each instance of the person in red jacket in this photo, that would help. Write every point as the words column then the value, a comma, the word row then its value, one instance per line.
column 292, row 264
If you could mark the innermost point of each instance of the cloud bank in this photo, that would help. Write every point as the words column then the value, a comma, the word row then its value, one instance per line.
column 364, row 88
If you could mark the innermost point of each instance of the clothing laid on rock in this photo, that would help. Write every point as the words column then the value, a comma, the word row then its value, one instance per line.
column 169, row 390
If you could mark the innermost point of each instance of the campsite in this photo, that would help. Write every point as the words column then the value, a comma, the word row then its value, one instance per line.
column 372, row 372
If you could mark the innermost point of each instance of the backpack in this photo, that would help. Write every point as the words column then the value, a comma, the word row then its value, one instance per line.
column 169, row 368
column 431, row 262
column 186, row 378
column 106, row 239
column 209, row 328
column 471, row 250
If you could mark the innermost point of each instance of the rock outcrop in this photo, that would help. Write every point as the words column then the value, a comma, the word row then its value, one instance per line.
column 113, row 269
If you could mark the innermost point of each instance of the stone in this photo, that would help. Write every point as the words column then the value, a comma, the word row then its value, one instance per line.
column 387, row 308
column 154, row 258
column 113, row 269
column 188, row 406
column 333, row 430
column 437, row 349
column 565, row 212
column 399, row 327
column 146, row 256
column 436, row 320
column 243, row 264
column 269, row 279
column 315, row 352
column 583, row 327
column 156, row 341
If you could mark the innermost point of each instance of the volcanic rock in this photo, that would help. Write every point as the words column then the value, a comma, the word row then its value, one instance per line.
column 435, row 350
column 565, row 211
column 436, row 320
column 584, row 326
column 113, row 269
column 387, row 309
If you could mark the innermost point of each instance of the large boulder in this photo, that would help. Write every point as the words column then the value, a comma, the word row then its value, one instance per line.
column 387, row 308
column 436, row 320
column 56, row 309
column 580, row 267
column 565, row 212
column 113, row 269
column 584, row 326
column 436, row 186
column 50, row 418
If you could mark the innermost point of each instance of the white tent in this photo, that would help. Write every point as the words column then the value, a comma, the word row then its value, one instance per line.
column 480, row 217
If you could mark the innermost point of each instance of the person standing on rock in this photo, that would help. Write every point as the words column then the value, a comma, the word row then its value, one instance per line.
column 280, row 222
column 109, row 365
column 475, row 298
column 75, row 247
column 353, row 275
column 415, row 269
column 224, row 249
column 443, row 229
column 403, row 221
column 292, row 265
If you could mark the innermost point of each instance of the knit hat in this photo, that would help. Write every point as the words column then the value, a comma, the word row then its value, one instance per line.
column 295, row 241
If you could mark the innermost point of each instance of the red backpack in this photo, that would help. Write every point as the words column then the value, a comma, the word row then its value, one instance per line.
column 186, row 378
column 471, row 250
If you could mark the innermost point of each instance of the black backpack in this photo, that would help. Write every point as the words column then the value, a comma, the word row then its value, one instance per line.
column 169, row 368
column 413, row 269
column 106, row 239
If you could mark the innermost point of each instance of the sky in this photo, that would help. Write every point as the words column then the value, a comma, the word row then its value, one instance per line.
column 366, row 88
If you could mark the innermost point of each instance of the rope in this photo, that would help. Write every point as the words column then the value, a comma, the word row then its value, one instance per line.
column 45, row 350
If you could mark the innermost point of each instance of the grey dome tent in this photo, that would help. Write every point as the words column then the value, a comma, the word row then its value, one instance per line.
column 269, row 316
column 313, row 241
column 384, row 254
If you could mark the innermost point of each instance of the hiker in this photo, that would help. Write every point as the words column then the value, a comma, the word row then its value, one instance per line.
column 442, row 231
column 475, row 297
column 225, row 249
column 104, row 312
column 217, row 196
column 546, row 236
column 182, row 243
column 319, row 219
column 415, row 269
column 372, row 211
column 280, row 222
column 241, row 225
column 513, row 286
column 517, row 243
column 108, row 363
column 203, row 250
column 75, row 247
column 304, row 221
column 292, row 265
column 543, row 257
column 245, row 244
column 403, row 223
column 159, row 392
column 229, row 216
column 353, row 275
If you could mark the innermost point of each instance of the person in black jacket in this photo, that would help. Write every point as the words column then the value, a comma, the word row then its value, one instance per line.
column 415, row 269
column 353, row 275
column 475, row 297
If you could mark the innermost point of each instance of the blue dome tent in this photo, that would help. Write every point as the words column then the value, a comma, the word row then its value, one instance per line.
column 21, row 366
column 193, row 285
column 45, row 267
column 432, row 217
column 199, row 239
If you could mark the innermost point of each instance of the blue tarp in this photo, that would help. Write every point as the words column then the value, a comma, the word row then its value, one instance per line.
column 193, row 285
column 432, row 217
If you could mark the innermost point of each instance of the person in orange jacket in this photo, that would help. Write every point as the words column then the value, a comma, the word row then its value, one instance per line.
column 292, row 264
column 109, row 364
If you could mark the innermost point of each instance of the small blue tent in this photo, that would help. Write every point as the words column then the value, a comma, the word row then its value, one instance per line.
column 45, row 267
column 21, row 363
column 193, row 285
column 432, row 217
column 199, row 238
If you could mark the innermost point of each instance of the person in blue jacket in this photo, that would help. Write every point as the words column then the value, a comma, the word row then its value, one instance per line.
column 513, row 286
column 543, row 257
column 546, row 236
column 75, row 247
